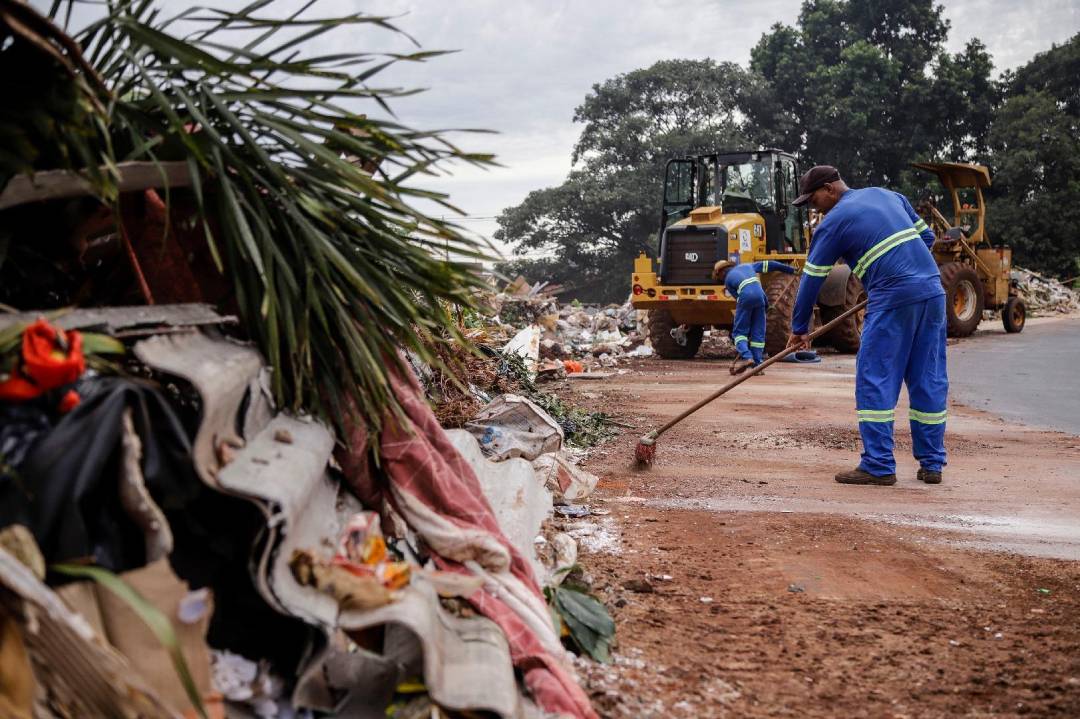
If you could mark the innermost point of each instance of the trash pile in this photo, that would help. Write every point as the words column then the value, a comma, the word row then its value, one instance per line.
column 223, row 487
column 1045, row 294
column 581, row 338
column 172, row 544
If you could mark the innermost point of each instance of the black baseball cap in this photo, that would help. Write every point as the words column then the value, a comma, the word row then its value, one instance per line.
column 814, row 178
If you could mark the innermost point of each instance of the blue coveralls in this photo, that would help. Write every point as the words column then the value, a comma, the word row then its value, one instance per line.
column 748, row 329
column 887, row 245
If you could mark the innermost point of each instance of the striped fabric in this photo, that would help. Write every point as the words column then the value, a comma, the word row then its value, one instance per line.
column 876, row 415
column 927, row 417
column 889, row 243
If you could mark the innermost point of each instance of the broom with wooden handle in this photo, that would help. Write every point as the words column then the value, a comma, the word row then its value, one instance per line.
column 645, row 452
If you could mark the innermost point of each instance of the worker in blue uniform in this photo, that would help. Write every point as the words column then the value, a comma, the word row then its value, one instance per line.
column 887, row 245
column 748, row 329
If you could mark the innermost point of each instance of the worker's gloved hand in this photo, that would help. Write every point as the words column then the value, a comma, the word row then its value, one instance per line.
column 740, row 364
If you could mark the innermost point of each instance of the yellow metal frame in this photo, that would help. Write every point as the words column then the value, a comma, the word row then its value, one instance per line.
column 992, row 264
column 706, row 304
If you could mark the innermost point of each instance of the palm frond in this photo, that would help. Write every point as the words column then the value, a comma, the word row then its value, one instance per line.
column 334, row 267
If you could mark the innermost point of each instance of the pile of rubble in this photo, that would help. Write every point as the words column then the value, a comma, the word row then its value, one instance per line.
column 1045, row 294
column 593, row 336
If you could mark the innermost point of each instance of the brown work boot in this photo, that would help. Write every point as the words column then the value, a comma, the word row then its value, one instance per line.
column 740, row 365
column 929, row 476
column 860, row 476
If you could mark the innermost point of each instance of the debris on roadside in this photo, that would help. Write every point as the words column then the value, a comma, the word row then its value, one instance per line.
column 215, row 501
column 1045, row 294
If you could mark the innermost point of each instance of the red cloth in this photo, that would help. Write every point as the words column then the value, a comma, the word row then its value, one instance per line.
column 423, row 466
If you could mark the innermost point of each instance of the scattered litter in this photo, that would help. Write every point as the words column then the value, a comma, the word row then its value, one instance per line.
column 513, row 426
column 706, row 600
column 796, row 588
column 567, row 481
column 572, row 510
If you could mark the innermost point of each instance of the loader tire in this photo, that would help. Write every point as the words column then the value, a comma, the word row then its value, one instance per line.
column 780, row 289
column 848, row 334
column 1014, row 315
column 963, row 298
column 660, row 326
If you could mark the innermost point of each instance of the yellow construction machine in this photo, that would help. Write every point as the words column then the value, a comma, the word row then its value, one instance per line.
column 735, row 206
column 974, row 273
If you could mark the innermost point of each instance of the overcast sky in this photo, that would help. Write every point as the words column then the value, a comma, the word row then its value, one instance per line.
column 523, row 66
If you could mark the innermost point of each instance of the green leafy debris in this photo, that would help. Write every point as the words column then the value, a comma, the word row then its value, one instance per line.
column 588, row 621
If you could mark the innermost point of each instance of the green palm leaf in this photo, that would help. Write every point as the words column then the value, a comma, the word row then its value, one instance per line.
column 335, row 269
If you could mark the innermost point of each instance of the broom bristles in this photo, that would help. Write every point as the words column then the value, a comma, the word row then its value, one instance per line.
column 645, row 453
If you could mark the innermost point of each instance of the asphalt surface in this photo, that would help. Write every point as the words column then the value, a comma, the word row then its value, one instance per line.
column 1032, row 377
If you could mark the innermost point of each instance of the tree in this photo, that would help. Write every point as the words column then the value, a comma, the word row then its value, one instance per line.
column 1034, row 201
column 594, row 223
column 868, row 87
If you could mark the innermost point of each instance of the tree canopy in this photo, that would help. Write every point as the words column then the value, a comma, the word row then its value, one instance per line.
column 1035, row 155
column 869, row 87
column 606, row 211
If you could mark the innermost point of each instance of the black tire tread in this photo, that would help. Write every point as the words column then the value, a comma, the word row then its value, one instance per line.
column 847, row 337
column 951, row 274
column 1006, row 315
column 660, row 326
column 780, row 289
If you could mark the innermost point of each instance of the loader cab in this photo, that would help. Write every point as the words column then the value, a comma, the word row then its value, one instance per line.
column 763, row 182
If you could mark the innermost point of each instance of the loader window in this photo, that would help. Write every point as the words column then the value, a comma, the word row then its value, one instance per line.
column 747, row 187
column 793, row 220
column 967, row 210
column 678, row 191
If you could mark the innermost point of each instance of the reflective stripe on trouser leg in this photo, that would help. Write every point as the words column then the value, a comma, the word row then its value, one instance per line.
column 928, row 386
column 879, row 373
column 740, row 330
column 757, row 333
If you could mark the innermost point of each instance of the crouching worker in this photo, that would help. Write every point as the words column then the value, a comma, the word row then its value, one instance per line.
column 748, row 331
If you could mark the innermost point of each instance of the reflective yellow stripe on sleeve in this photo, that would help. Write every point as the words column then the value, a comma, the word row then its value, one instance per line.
column 889, row 243
column 765, row 266
column 921, row 225
column 816, row 270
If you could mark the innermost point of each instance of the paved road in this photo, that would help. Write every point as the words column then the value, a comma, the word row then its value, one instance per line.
column 1032, row 377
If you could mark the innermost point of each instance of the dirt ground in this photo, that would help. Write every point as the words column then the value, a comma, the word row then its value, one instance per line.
column 746, row 583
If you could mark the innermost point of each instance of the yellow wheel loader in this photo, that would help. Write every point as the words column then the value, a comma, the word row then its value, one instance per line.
column 975, row 274
column 734, row 206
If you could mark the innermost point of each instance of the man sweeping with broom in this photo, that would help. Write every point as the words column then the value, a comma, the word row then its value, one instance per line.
column 887, row 245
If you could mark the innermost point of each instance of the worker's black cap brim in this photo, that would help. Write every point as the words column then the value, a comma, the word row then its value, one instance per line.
column 802, row 199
